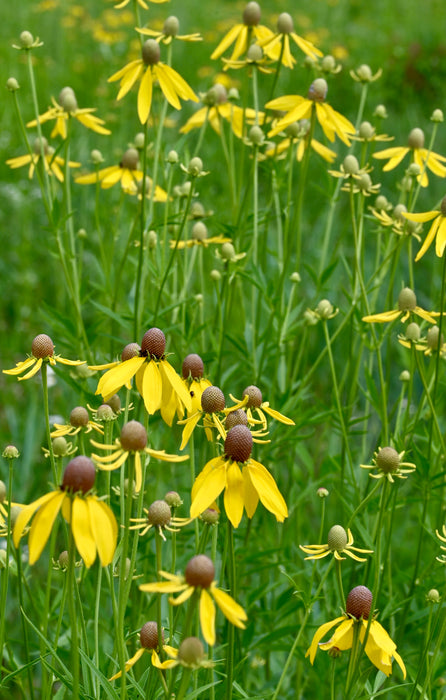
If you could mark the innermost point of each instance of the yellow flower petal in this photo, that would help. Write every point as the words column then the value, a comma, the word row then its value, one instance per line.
column 342, row 638
column 320, row 633
column 128, row 665
column 383, row 317
column 43, row 524
column 275, row 414
column 116, row 377
column 230, row 609
column 250, row 495
column 267, row 489
column 20, row 366
column 164, row 587
column 152, row 387
column 210, row 488
column 233, row 498
column 145, row 95
column 430, row 237
column 227, row 40
column 32, row 371
column 169, row 375
column 104, row 529
column 207, row 617
column 189, row 428
column 81, row 529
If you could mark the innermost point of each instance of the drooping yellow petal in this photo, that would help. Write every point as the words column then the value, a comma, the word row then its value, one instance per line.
column 43, row 524
column 275, row 414
column 81, row 529
column 430, row 237
column 128, row 665
column 441, row 238
column 145, row 95
column 33, row 370
column 207, row 617
column 227, row 40
column 267, row 489
column 152, row 387
column 27, row 513
column 104, row 529
column 230, row 609
column 20, row 366
column 107, row 464
column 164, row 586
column 169, row 375
column 342, row 638
column 320, row 633
column 421, row 217
column 168, row 663
column 383, row 317
column 250, row 495
column 116, row 377
column 189, row 429
column 210, row 488
column 165, row 457
column 233, row 498
column 185, row 595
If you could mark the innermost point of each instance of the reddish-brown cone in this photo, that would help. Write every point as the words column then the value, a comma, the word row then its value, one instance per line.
column 199, row 571
column 212, row 400
column 359, row 602
column 79, row 475
column 238, row 443
column 133, row 436
column 42, row 346
column 153, row 343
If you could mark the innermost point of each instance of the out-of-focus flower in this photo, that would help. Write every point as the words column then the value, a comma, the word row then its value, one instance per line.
column 437, row 230
column 277, row 46
column 423, row 157
column 387, row 462
column 66, row 109
column 42, row 350
column 407, row 305
column 52, row 163
column 169, row 32
column 148, row 638
column 242, row 34
column 338, row 542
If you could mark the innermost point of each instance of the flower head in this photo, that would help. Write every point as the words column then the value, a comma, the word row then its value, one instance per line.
column 79, row 420
column 148, row 639
column 243, row 480
column 407, row 305
column 192, row 371
column 277, row 46
column 424, row 158
column 93, row 524
column 52, row 163
column 241, row 34
column 150, row 69
column 199, row 577
column 169, row 32
column 388, row 463
column 297, row 134
column 199, row 237
column 252, row 401
column 42, row 351
column 141, row 3
column 437, row 230
column 159, row 516
column 379, row 647
column 67, row 108
column 338, row 542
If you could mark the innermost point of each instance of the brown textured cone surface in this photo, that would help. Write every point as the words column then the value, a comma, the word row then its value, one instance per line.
column 79, row 475
column 238, row 443
column 79, row 416
column 115, row 403
column 237, row 417
column 193, row 366
column 200, row 571
column 255, row 396
column 133, row 436
column 42, row 346
column 191, row 651
column 149, row 635
column 130, row 350
column 212, row 400
column 154, row 342
column 159, row 513
column 387, row 459
column 359, row 602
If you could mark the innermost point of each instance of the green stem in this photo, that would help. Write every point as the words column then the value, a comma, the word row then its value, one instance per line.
column 73, row 614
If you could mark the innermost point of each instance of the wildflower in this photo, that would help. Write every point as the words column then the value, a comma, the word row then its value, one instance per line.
column 396, row 220
column 126, row 172
column 190, row 654
column 141, row 3
column 192, row 371
column 338, row 542
column 407, row 304
column 255, row 58
column 243, row 480
column 367, row 134
column 363, row 74
column 255, row 404
column 65, row 109
column 277, row 46
column 42, row 351
column 228, row 254
column 79, row 419
column 379, row 647
column 388, row 463
column 133, row 440
column 149, row 68
column 421, row 156
column 298, row 133
column 199, row 238
column 211, row 407
column 52, row 163
column 437, row 230
column 28, row 42
column 148, row 639
column 297, row 107
column 169, row 32
column 159, row 516
column 241, row 34
column 199, row 576
column 93, row 524
column 156, row 380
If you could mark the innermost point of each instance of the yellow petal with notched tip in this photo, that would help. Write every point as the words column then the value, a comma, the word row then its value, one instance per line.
column 110, row 465
column 145, row 95
column 179, row 86
column 422, row 216
column 207, row 617
column 116, row 377
column 320, row 633
column 43, row 524
column 233, row 498
column 267, row 489
column 81, row 529
column 185, row 595
column 210, row 488
column 152, row 387
column 230, row 609
column 104, row 529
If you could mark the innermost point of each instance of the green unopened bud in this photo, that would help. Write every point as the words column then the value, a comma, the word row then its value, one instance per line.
column 60, row 447
column 139, row 141
column 364, row 73
column 26, row 39
column 195, row 167
column 407, row 301
column 233, row 95
column 15, row 511
column 11, row 452
column 254, row 53
column 256, row 135
column 210, row 516
column 2, row 491
column 324, row 309
column 380, row 112
column 173, row 499
column 172, row 157
column 416, row 138
column 318, row 90
column 251, row 14
column 285, row 23
column 413, row 332
column 171, row 26
column 351, row 165
column 405, row 376
column 381, row 202
column 437, row 116
column 398, row 212
column 197, row 210
column 328, row 63
column 413, row 170
column 105, row 413
column 366, row 131
column 433, row 596
column 215, row 275
column 96, row 157
column 191, row 650
column 12, row 84
column 64, row 559
column 433, row 338
column 295, row 277
column 322, row 492
column 227, row 251
column 365, row 182
column 199, row 231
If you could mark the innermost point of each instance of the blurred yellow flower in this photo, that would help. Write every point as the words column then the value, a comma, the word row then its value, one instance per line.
column 424, row 158
column 66, row 109
column 437, row 230
column 53, row 164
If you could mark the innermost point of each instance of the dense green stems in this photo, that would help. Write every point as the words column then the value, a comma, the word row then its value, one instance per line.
column 229, row 158
column 20, row 579
column 38, row 126
column 44, row 373
column 73, row 614
column 139, row 284
column 438, row 354
column 5, row 571
column 430, row 400
column 124, row 575
column 429, row 151
column 355, row 656
column 277, row 71
column 297, row 217
column 97, row 615
column 159, row 568
column 233, row 586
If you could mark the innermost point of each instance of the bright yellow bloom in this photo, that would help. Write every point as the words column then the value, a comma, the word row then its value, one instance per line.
column 149, row 69
column 255, row 404
column 437, row 229
column 297, row 107
column 214, row 114
column 242, row 34
column 133, row 440
column 42, row 350
column 93, row 524
column 243, row 480
column 67, row 108
column 52, row 163
column 212, row 410
column 159, row 515
column 277, row 46
column 421, row 156
column 407, row 305
column 338, row 542
column 199, row 576
column 79, row 420
column 388, row 463
column 396, row 221
column 148, row 638
column 170, row 32
column 298, row 132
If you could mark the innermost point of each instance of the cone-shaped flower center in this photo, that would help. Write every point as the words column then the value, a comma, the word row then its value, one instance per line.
column 416, row 138
column 130, row 350
column 133, row 436
column 199, row 571
column 407, row 300
column 79, row 416
column 42, row 346
column 79, row 475
column 251, row 14
column 151, row 52
column 153, row 343
column 285, row 23
column 237, row 417
column 255, row 396
column 337, row 538
column 238, row 443
column 388, row 460
column 130, row 159
column 359, row 602
column 191, row 651
column 159, row 514
column 212, row 400
column 149, row 635
column 192, row 366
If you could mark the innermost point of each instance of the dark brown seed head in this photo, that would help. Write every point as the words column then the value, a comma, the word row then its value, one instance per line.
column 255, row 396
column 237, row 417
column 149, row 635
column 359, row 602
column 212, row 400
column 151, row 52
column 79, row 475
column 42, row 346
column 387, row 459
column 130, row 350
column 79, row 417
column 192, row 366
column 199, row 571
column 191, row 651
column 159, row 514
column 238, row 443
column 133, row 436
column 153, row 343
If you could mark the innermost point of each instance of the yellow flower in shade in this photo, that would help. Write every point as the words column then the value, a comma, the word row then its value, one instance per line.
column 212, row 410
column 79, row 419
column 199, row 238
column 256, row 405
column 242, row 34
column 42, row 350
column 52, row 163
column 297, row 134
column 297, row 107
column 159, row 516
column 437, row 230
column 169, row 32
column 149, row 69
column 407, row 305
column 277, row 46
column 199, row 576
column 388, row 463
column 92, row 522
column 379, row 647
column 133, row 440
column 243, row 480
column 338, row 542
column 66, row 109
column 396, row 220
column 148, row 639
column 255, row 58
column 423, row 157
column 141, row 3
column 156, row 380
column 127, row 173
column 429, row 345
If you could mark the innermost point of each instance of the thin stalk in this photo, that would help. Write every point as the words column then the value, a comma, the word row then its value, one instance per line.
column 20, row 579
column 44, row 373
column 73, row 615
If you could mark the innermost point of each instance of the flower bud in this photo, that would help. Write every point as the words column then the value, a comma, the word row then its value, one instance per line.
column 115, row 403
column 364, row 73
column 318, row 90
column 159, row 514
column 366, row 131
column 171, row 26
column 227, row 251
column 433, row 596
column 381, row 202
column 322, row 492
column 191, row 650
column 295, row 277
column 26, row 39
column 199, row 231
column 328, row 63
column 380, row 112
column 173, row 499
column 416, row 138
column 215, row 275
column 433, row 338
column 387, row 459
column 324, row 309
column 197, row 210
column 210, row 516
column 139, row 141
column 351, row 165
column 195, row 167
column 2, row 491
column 10, row 452
column 407, row 300
column 256, row 135
column 413, row 332
column 96, row 156
column 254, row 53
column 60, row 446
column 405, row 376
column 79, row 417
column 151, row 52
column 251, row 14
column 105, row 413
column 285, row 23
column 437, row 116
column 413, row 170
column 12, row 85
column 172, row 157
column 64, row 559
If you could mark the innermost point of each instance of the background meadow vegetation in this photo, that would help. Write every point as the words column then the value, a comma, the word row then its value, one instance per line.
column 339, row 379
